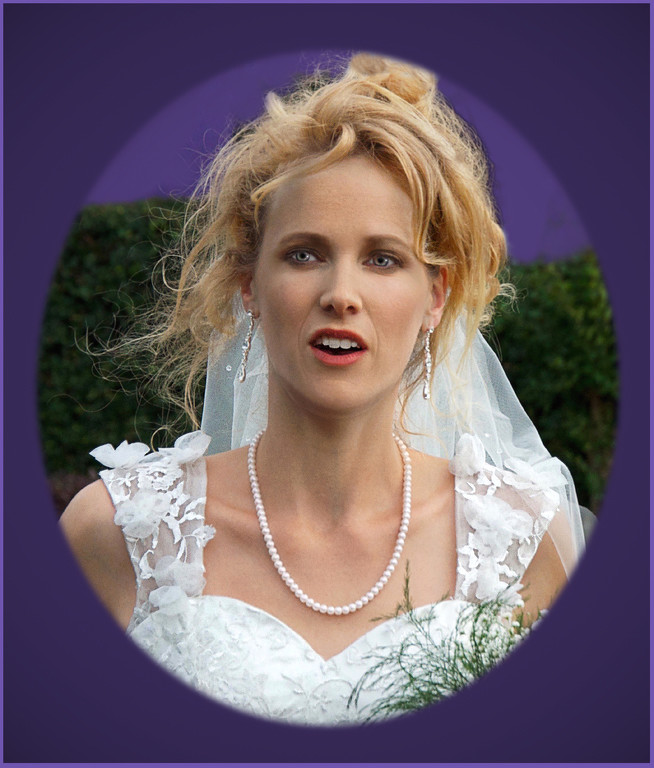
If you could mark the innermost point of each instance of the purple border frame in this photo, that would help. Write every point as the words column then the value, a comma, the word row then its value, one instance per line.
column 79, row 79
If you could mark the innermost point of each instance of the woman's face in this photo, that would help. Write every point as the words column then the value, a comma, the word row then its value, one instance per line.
column 339, row 290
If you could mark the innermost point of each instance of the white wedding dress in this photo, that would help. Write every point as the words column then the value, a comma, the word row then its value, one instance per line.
column 245, row 658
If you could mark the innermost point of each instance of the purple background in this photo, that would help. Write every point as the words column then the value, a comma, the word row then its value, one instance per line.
column 80, row 81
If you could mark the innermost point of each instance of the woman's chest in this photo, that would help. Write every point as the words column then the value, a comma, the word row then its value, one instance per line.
column 334, row 571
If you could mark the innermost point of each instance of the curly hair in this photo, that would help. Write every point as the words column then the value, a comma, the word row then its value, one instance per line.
column 388, row 111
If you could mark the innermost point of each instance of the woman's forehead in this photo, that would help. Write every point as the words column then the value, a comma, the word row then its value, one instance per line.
column 354, row 189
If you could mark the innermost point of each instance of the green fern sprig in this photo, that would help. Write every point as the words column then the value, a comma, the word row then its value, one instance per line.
column 421, row 670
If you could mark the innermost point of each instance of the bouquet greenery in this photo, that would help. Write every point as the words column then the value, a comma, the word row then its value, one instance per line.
column 425, row 668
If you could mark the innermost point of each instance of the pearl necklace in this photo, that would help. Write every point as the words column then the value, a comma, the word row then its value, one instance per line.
column 331, row 610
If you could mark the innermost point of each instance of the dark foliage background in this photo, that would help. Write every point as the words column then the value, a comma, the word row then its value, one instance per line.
column 556, row 344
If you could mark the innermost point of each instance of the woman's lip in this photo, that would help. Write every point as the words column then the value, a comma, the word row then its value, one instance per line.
column 338, row 334
column 329, row 359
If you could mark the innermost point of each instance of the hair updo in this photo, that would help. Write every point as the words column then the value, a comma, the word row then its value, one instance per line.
column 388, row 111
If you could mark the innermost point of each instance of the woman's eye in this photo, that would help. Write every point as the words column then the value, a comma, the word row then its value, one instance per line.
column 383, row 261
column 302, row 257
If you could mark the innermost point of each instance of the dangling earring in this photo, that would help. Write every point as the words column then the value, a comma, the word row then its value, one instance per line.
column 246, row 348
column 426, row 384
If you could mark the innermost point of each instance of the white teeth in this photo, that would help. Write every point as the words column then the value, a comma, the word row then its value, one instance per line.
column 332, row 343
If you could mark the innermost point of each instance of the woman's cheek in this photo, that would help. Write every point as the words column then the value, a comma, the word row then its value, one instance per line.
column 281, row 298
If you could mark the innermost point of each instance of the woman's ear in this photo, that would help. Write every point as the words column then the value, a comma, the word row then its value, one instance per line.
column 438, row 297
column 248, row 294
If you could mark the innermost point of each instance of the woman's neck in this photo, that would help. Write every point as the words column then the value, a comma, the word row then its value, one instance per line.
column 331, row 470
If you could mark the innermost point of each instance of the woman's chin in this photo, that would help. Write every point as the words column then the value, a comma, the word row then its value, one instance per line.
column 343, row 400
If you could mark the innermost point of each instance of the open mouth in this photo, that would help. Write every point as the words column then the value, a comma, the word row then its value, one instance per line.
column 337, row 347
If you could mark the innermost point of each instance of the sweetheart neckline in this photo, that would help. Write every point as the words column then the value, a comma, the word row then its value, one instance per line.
column 303, row 641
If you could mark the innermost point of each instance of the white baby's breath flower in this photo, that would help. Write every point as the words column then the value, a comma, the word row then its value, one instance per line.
column 126, row 455
column 188, row 447
column 469, row 457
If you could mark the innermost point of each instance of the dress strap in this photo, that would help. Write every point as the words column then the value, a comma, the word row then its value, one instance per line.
column 501, row 518
column 160, row 506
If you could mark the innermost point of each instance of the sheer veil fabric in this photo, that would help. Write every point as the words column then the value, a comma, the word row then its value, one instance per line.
column 471, row 394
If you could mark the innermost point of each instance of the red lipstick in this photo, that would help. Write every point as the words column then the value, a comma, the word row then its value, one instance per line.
column 337, row 354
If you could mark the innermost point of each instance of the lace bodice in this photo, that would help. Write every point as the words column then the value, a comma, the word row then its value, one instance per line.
column 246, row 658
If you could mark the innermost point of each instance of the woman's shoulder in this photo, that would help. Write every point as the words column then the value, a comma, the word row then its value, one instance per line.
column 88, row 525
column 137, row 490
column 89, row 513
column 99, row 548
column 133, row 472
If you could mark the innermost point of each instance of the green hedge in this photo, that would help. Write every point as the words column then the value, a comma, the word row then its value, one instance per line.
column 557, row 346
column 102, row 282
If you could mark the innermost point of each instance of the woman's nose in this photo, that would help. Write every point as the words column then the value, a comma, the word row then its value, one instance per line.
column 340, row 294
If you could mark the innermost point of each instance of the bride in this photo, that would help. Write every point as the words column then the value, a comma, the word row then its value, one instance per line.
column 349, row 238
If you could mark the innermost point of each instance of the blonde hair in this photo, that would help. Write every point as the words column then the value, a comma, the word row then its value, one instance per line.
column 387, row 110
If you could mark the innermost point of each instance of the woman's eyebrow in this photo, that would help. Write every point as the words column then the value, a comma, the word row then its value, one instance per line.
column 380, row 241
column 312, row 239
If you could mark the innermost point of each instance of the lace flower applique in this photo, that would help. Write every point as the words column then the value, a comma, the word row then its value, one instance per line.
column 126, row 455
column 469, row 457
column 187, row 447
column 140, row 515
column 169, row 571
column 542, row 475
column 505, row 513
column 170, row 601
column 495, row 524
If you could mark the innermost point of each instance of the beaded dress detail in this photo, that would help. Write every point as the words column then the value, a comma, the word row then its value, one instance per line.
column 246, row 658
